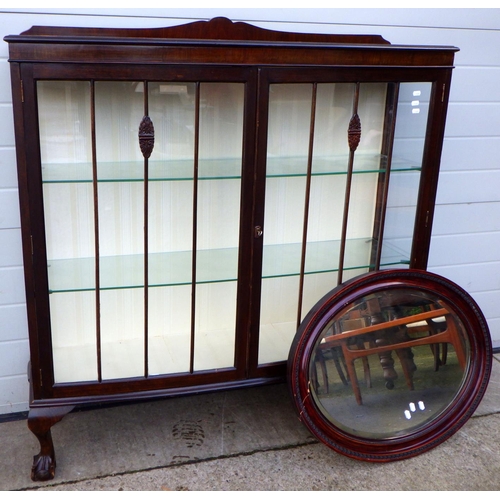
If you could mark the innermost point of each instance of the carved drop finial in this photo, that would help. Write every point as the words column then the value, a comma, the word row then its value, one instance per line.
column 354, row 132
column 146, row 136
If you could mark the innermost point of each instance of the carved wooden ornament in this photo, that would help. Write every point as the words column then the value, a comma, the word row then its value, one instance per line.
column 354, row 132
column 146, row 136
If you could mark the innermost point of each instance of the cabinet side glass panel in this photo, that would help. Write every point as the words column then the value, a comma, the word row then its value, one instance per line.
column 119, row 109
column 409, row 139
column 65, row 144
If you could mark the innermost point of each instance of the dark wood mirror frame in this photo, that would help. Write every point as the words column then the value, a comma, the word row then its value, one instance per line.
column 432, row 433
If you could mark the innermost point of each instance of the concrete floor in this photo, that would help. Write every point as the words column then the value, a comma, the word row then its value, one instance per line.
column 242, row 440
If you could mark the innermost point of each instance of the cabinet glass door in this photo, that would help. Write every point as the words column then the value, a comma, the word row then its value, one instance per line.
column 142, row 185
column 329, row 162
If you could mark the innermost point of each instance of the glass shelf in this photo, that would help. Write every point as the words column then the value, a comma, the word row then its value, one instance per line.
column 133, row 171
column 213, row 266
column 335, row 165
column 227, row 168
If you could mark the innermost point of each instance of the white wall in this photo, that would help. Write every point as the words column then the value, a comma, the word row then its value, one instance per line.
column 466, row 236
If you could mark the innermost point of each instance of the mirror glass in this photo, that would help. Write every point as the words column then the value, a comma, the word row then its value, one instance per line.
column 388, row 363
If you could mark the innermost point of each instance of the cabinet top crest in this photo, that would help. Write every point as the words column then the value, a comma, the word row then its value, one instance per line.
column 218, row 41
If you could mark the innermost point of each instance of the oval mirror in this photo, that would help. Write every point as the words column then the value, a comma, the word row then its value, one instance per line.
column 390, row 364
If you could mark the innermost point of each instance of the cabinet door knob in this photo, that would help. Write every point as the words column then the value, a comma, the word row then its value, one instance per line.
column 257, row 232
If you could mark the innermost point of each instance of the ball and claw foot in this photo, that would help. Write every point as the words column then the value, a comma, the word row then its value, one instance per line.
column 43, row 469
column 40, row 421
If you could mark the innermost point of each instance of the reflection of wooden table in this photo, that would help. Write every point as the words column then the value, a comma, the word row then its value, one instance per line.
column 351, row 352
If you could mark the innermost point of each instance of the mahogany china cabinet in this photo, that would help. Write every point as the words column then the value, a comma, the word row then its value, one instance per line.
column 189, row 193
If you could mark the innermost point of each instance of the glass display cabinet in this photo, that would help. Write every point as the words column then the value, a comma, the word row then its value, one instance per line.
column 189, row 193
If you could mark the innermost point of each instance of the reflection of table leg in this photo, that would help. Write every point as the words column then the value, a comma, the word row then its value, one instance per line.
column 405, row 355
column 386, row 360
column 387, row 363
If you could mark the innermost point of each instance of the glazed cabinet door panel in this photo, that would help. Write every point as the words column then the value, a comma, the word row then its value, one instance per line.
column 142, row 185
column 342, row 174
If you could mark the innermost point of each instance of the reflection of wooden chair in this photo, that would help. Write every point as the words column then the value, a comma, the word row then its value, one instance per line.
column 397, row 336
column 355, row 320
column 320, row 359
column 431, row 327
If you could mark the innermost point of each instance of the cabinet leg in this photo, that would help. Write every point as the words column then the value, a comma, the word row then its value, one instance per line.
column 40, row 420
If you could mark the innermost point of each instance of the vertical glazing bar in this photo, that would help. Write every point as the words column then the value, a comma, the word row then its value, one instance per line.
column 195, row 223
column 146, row 249
column 354, row 135
column 96, row 233
column 384, row 176
column 306, row 202
column 146, row 144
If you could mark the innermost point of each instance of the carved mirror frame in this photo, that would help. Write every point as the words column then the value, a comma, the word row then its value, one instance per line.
column 320, row 330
